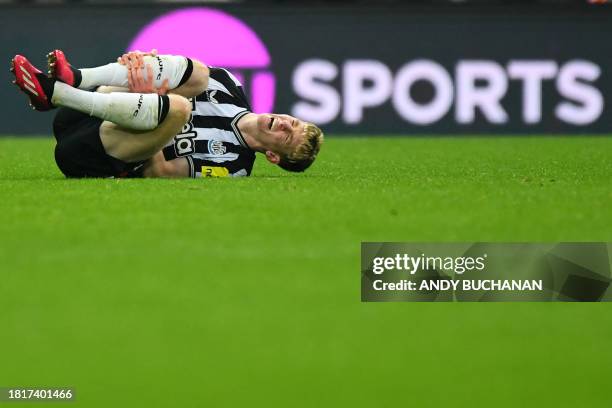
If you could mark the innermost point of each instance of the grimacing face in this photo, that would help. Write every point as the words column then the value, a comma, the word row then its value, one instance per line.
column 283, row 133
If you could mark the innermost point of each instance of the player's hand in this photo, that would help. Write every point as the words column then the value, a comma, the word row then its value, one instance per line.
column 135, row 59
column 138, row 82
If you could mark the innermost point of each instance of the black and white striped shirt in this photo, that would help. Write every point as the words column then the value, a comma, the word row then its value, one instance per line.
column 211, row 140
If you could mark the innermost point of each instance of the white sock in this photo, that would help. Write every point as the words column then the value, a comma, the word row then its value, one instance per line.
column 168, row 67
column 130, row 110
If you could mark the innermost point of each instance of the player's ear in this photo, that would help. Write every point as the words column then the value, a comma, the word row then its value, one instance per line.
column 272, row 157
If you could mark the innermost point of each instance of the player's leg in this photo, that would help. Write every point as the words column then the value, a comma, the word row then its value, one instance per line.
column 135, row 126
column 185, row 76
column 130, row 110
column 133, row 111
column 157, row 166
column 90, row 147
column 141, row 123
column 131, row 146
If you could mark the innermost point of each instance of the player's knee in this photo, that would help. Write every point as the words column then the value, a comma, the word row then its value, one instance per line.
column 180, row 109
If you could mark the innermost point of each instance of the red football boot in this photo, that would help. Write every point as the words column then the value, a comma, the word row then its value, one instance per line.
column 33, row 83
column 60, row 69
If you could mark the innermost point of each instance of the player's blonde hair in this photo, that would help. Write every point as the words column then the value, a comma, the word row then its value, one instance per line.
column 306, row 152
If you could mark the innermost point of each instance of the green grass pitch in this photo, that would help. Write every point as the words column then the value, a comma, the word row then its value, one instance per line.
column 245, row 292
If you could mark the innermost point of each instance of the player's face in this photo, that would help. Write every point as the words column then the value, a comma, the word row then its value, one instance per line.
column 282, row 133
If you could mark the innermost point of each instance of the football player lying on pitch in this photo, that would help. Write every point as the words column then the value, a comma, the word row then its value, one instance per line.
column 159, row 116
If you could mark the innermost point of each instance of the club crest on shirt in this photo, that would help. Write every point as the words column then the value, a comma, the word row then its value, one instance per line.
column 216, row 147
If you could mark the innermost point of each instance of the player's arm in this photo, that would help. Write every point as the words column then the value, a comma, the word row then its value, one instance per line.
column 158, row 167
column 193, row 83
